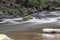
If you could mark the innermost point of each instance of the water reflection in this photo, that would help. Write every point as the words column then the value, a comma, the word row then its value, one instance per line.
column 51, row 36
column 34, row 36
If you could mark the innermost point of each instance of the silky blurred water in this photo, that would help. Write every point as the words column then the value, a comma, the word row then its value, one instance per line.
column 14, row 24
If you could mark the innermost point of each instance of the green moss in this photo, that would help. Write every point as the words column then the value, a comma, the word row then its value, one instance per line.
column 28, row 17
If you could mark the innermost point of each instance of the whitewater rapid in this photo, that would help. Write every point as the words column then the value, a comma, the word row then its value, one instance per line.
column 34, row 20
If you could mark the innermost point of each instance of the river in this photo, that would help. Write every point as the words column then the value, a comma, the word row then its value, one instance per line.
column 47, row 22
column 31, row 29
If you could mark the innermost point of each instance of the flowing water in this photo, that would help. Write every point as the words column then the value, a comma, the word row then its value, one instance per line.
column 32, row 28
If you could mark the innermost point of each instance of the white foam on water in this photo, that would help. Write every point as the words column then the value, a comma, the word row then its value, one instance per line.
column 34, row 20
column 11, row 20
column 42, row 20
column 48, row 35
column 17, row 19
column 8, row 20
column 55, row 13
